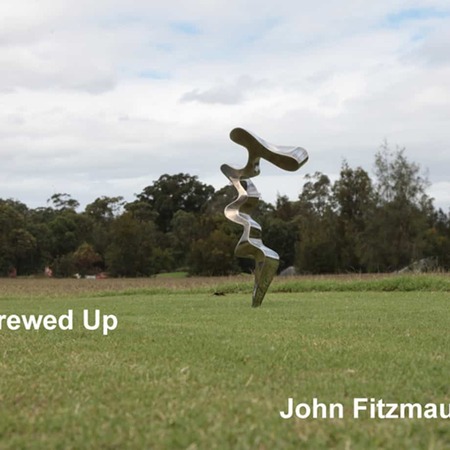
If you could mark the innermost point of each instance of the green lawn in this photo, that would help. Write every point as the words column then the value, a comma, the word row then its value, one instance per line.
column 198, row 371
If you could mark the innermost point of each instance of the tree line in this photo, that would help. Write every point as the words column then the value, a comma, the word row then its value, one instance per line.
column 355, row 224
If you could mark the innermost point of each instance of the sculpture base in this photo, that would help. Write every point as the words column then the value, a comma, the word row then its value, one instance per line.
column 265, row 270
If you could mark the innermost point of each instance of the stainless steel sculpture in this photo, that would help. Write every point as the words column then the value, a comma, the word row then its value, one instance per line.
column 250, row 244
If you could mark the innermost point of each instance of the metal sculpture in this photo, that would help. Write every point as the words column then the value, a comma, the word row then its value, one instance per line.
column 250, row 244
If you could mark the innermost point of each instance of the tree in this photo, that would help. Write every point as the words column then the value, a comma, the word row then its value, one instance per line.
column 185, row 230
column 141, row 210
column 63, row 202
column 354, row 199
column 352, row 224
column 132, row 246
column 285, row 209
column 38, row 226
column 104, row 209
column 399, row 180
column 220, row 199
column 395, row 232
column 86, row 259
column 17, row 244
column 99, row 216
column 317, row 250
column 437, row 239
column 214, row 255
column 316, row 196
column 282, row 237
column 64, row 233
column 63, row 230
column 171, row 193
column 64, row 266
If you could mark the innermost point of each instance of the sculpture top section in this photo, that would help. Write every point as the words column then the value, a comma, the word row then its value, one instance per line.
column 284, row 157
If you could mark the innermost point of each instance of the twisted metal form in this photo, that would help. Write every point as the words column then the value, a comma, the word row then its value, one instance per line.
column 250, row 244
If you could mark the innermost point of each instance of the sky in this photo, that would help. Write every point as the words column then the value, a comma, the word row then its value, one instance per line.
column 103, row 97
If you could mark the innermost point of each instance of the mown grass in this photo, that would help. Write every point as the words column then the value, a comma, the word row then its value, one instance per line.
column 38, row 287
column 172, row 275
column 199, row 371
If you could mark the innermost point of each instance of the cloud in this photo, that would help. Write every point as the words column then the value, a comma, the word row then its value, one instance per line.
column 99, row 97
column 188, row 28
column 433, row 49
column 226, row 94
column 415, row 14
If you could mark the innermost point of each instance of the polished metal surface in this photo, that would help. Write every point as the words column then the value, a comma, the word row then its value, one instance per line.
column 250, row 244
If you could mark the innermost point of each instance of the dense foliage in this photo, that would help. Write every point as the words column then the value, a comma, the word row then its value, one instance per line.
column 354, row 224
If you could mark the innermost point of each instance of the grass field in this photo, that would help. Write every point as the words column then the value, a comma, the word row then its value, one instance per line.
column 188, row 369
